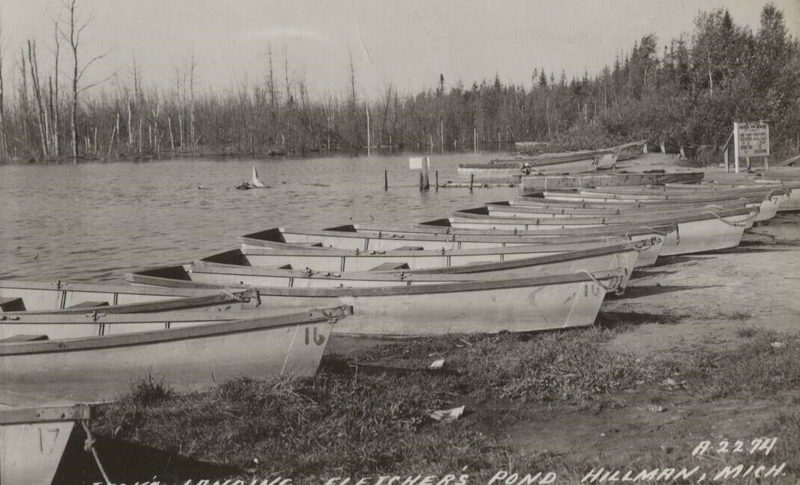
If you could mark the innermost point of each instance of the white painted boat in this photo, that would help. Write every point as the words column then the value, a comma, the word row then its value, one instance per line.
column 767, row 201
column 187, row 356
column 699, row 232
column 538, row 183
column 344, row 260
column 33, row 440
column 367, row 238
column 16, row 295
column 234, row 268
column 508, row 209
column 514, row 169
column 488, row 306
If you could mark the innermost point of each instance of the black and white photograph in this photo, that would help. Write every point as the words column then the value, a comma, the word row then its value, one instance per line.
column 384, row 242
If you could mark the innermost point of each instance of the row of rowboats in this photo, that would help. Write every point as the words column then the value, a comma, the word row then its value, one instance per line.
column 271, row 305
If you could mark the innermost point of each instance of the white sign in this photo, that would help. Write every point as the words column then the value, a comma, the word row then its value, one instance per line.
column 752, row 139
column 419, row 163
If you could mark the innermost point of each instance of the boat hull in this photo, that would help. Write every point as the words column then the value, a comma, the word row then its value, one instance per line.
column 186, row 359
column 525, row 305
column 539, row 183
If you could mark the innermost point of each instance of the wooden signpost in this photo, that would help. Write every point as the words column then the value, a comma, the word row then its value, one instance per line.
column 749, row 140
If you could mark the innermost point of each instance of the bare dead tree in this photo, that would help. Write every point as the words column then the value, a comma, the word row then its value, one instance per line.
column 271, row 80
column 33, row 64
column 3, row 128
column 73, row 38
column 54, row 106
column 23, row 97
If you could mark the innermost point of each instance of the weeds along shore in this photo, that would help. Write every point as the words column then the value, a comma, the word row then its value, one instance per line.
column 367, row 414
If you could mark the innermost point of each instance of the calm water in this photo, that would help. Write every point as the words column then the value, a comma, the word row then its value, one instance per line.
column 98, row 221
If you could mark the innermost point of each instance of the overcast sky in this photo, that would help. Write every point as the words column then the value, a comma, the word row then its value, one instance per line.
column 403, row 43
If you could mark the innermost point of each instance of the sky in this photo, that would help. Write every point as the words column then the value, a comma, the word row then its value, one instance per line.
column 405, row 44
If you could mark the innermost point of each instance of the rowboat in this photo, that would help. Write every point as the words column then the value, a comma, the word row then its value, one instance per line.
column 597, row 257
column 235, row 268
column 767, row 201
column 60, row 295
column 365, row 243
column 514, row 169
column 510, row 209
column 366, row 238
column 695, row 232
column 191, row 351
column 134, row 317
column 33, row 439
column 484, row 306
column 539, row 183
column 791, row 203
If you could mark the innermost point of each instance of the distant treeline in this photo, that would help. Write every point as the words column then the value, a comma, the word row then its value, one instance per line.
column 685, row 93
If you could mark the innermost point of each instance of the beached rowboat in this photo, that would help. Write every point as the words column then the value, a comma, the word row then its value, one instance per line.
column 59, row 295
column 283, row 239
column 699, row 232
column 235, row 268
column 33, row 439
column 486, row 306
column 187, row 355
column 538, row 183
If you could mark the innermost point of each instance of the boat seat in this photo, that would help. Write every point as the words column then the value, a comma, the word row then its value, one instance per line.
column 390, row 267
column 409, row 248
column 89, row 304
column 22, row 338
column 11, row 304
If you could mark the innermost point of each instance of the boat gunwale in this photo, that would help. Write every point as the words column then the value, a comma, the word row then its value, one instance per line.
column 412, row 290
column 705, row 215
column 407, row 275
column 150, row 337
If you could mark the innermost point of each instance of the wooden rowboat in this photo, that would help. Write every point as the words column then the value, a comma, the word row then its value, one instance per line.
column 514, row 169
column 366, row 237
column 283, row 239
column 509, row 209
column 187, row 355
column 33, row 439
column 60, row 295
column 486, row 306
column 538, row 183
column 344, row 260
column 767, row 201
column 698, row 232
column 235, row 268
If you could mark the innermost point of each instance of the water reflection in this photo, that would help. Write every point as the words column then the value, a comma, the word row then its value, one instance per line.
column 97, row 221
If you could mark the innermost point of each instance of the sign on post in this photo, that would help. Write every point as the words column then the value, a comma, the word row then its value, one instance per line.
column 750, row 140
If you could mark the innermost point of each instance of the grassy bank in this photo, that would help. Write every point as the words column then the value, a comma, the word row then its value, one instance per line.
column 369, row 414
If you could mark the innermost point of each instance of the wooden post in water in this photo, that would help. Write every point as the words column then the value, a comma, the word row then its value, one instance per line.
column 471, row 181
column 369, row 148
column 437, row 179
column 385, row 180
column 425, row 180
column 736, row 146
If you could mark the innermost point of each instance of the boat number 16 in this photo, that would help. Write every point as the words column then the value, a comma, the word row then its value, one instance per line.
column 313, row 337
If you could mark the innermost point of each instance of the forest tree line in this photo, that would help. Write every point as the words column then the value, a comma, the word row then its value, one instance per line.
column 686, row 92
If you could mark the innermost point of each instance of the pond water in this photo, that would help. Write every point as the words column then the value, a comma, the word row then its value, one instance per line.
column 97, row 221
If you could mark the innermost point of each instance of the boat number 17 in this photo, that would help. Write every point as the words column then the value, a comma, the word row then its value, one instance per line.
column 313, row 337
